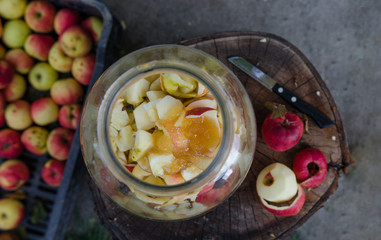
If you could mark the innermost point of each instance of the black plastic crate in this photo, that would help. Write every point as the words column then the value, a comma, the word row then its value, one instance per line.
column 59, row 201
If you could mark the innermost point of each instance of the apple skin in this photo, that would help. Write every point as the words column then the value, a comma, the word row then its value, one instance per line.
column 6, row 73
column 306, row 159
column 17, row 115
column 34, row 140
column 12, row 9
column 42, row 76
column 52, row 172
column 39, row 15
column 2, row 109
column 210, row 195
column 94, row 26
column 65, row 18
column 70, row 115
column 281, row 135
column 13, row 174
column 44, row 111
column 197, row 112
column 12, row 213
column 59, row 143
column 38, row 46
column 83, row 68
column 15, row 33
column 21, row 61
column 59, row 60
column 291, row 210
column 66, row 91
column 16, row 88
column 75, row 41
column 10, row 143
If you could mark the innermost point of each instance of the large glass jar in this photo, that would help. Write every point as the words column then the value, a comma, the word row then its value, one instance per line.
column 202, row 193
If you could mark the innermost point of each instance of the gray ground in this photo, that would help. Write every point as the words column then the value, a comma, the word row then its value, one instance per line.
column 341, row 38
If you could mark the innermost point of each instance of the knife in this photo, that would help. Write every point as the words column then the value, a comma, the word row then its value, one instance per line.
column 269, row 83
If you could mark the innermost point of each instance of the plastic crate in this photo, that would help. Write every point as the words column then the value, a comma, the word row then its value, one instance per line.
column 59, row 201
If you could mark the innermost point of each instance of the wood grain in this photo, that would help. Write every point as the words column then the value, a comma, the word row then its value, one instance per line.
column 242, row 216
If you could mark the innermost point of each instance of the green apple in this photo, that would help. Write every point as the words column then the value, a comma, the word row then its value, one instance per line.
column 12, row 212
column 15, row 89
column 42, row 76
column 22, row 62
column 15, row 33
column 17, row 115
column 12, row 9
column 59, row 60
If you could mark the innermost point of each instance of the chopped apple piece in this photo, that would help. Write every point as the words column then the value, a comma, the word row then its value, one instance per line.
column 169, row 107
column 158, row 161
column 150, row 109
column 201, row 90
column 121, row 156
column 143, row 142
column 139, row 173
column 154, row 180
column 190, row 172
column 142, row 120
column 206, row 102
column 135, row 92
column 173, row 179
column 173, row 84
column 125, row 139
column 155, row 85
column 153, row 95
column 119, row 117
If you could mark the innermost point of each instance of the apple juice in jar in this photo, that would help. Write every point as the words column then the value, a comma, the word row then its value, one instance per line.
column 165, row 129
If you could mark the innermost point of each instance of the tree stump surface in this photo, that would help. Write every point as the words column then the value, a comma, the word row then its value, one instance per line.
column 242, row 216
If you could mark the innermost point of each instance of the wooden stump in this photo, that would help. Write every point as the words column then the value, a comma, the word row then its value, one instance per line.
column 242, row 216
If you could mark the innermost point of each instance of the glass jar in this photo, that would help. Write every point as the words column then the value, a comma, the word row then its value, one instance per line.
column 202, row 193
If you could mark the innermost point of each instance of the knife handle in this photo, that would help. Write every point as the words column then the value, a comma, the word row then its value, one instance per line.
column 321, row 120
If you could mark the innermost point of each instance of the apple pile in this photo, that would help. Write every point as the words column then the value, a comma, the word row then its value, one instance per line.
column 46, row 52
column 279, row 188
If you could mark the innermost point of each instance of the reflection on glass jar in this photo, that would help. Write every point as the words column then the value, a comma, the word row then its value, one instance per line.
column 140, row 181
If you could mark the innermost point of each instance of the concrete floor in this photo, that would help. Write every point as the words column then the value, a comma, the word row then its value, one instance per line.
column 341, row 38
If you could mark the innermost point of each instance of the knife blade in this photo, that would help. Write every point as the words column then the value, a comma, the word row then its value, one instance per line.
column 321, row 120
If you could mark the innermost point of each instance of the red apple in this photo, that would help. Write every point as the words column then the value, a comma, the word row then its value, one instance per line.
column 59, row 143
column 15, row 89
column 94, row 26
column 12, row 213
column 58, row 59
column 52, row 172
column 17, row 115
column 34, row 140
column 13, row 174
column 21, row 61
column 291, row 209
column 66, row 91
column 69, row 116
column 66, row 18
column 38, row 46
column 75, row 41
column 39, row 15
column 6, row 73
column 44, row 111
column 10, row 143
column 310, row 167
column 83, row 68
column 282, row 133
column 2, row 109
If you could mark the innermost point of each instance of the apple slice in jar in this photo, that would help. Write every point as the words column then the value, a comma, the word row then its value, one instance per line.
column 182, row 87
column 143, row 142
column 135, row 93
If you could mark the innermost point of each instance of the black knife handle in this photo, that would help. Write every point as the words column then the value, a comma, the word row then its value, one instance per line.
column 321, row 119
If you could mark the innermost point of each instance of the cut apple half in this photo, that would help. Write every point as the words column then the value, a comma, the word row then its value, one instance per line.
column 288, row 209
column 277, row 183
